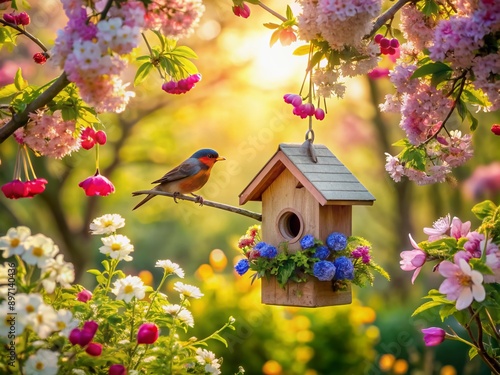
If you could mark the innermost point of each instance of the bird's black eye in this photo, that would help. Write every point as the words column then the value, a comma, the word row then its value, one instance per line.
column 211, row 156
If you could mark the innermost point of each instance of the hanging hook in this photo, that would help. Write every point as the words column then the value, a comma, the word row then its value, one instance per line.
column 310, row 146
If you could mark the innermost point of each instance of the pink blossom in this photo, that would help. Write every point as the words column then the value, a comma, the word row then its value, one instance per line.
column 94, row 349
column 242, row 10
column 473, row 245
column 413, row 259
column 484, row 182
column 439, row 229
column 462, row 284
column 287, row 36
column 378, row 72
column 117, row 370
column 84, row 296
column 459, row 229
column 147, row 333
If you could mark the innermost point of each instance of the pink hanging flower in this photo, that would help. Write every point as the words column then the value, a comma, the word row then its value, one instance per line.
column 15, row 189
column 97, row 185
column 147, row 333
column 182, row 86
column 287, row 36
column 413, row 260
column 462, row 284
column 495, row 129
column 242, row 10
column 433, row 336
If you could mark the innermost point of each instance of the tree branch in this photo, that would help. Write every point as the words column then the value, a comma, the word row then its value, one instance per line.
column 20, row 119
column 386, row 16
column 220, row 206
column 26, row 33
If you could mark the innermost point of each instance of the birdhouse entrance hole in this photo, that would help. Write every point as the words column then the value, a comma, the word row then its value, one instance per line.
column 290, row 225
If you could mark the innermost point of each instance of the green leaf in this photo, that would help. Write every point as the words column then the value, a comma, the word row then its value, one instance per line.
column 472, row 352
column 289, row 13
column 302, row 50
column 94, row 272
column 430, row 7
column 446, row 311
column 316, row 59
column 68, row 113
column 275, row 36
column 184, row 51
column 142, row 73
column 461, row 109
column 218, row 337
column 271, row 25
column 441, row 76
column 8, row 90
column 431, row 68
column 19, row 81
column 414, row 157
column 484, row 209
column 426, row 306
column 478, row 265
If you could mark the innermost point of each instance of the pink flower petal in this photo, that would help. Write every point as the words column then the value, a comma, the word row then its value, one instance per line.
column 464, row 299
column 448, row 269
column 478, row 292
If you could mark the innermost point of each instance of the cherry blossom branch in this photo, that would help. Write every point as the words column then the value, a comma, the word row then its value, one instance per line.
column 26, row 33
column 20, row 119
column 220, row 206
column 274, row 13
column 386, row 16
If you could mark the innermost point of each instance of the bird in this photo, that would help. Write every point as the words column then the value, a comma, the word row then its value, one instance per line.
column 187, row 177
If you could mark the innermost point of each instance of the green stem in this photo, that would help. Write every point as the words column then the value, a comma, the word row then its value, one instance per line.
column 229, row 323
column 25, row 33
column 111, row 271
column 165, row 275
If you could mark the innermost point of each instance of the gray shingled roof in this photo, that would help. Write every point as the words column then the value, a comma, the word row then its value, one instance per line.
column 329, row 176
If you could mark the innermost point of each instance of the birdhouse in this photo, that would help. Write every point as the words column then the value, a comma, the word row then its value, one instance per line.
column 301, row 196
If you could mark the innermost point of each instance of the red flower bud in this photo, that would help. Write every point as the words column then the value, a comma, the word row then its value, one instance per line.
column 23, row 19
column 117, row 370
column 147, row 333
column 100, row 137
column 36, row 186
column 242, row 10
column 495, row 128
column 84, row 296
column 87, row 138
column 74, row 336
column 15, row 189
column 94, row 349
column 10, row 18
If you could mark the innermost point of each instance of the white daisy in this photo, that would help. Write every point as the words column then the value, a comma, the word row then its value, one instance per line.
column 66, row 322
column 117, row 246
column 128, row 288
column 39, row 249
column 180, row 313
column 43, row 321
column 13, row 242
column 44, row 362
column 170, row 267
column 26, row 306
column 107, row 224
column 56, row 270
column 188, row 290
column 207, row 358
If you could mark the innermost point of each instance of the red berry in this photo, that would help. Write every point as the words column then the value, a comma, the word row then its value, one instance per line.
column 100, row 137
column 385, row 43
column 378, row 38
column 23, row 19
column 40, row 58
column 391, row 51
column 394, row 43
column 495, row 128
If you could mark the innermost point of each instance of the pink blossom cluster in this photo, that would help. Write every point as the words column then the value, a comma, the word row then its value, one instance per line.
column 182, row 86
column 341, row 23
column 175, row 18
column 22, row 18
column 445, row 152
column 417, row 28
column 49, row 135
column 90, row 53
column 24, row 189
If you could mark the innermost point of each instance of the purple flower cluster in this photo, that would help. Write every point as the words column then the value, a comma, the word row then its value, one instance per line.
column 362, row 252
column 182, row 86
column 303, row 110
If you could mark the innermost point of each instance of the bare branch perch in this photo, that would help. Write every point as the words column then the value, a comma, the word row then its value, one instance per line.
column 386, row 16
column 220, row 206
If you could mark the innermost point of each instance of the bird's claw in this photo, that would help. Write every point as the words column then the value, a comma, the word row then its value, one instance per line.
column 176, row 194
column 199, row 199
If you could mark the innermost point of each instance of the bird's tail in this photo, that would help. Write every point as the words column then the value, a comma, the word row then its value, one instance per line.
column 143, row 201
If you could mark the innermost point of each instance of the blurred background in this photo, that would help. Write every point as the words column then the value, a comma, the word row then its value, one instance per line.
column 238, row 110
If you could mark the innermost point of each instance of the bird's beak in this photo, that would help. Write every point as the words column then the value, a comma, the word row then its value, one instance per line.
column 220, row 158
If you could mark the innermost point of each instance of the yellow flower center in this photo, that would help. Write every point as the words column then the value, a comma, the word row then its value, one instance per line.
column 39, row 366
column 14, row 242
column 115, row 247
column 108, row 223
column 37, row 251
column 30, row 309
column 465, row 280
column 128, row 289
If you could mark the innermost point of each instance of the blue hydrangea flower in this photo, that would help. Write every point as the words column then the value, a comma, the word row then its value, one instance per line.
column 242, row 266
column 322, row 252
column 260, row 246
column 268, row 251
column 307, row 241
column 336, row 241
column 345, row 269
column 324, row 270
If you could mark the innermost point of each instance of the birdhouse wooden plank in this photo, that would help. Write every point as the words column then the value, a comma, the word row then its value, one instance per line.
column 300, row 196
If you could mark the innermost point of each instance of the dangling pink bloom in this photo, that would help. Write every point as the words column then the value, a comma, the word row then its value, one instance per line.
column 242, row 10
column 319, row 114
column 87, row 138
column 378, row 72
column 462, row 284
column 15, row 189
column 100, row 137
column 23, row 19
column 36, row 186
column 97, row 185
column 413, row 259
column 439, row 228
column 495, row 129
column 287, row 36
